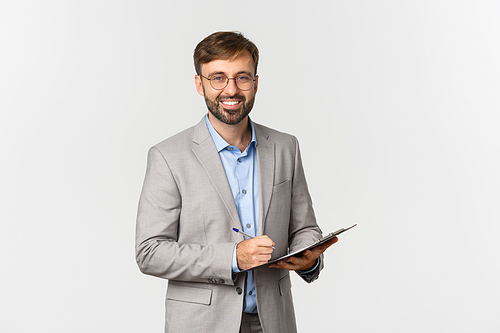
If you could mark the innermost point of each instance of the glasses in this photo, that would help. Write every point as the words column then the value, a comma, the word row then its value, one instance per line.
column 220, row 81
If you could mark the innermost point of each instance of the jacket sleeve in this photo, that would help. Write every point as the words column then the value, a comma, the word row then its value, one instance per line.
column 158, row 251
column 303, row 227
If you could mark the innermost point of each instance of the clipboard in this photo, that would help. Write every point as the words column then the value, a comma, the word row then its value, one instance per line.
column 298, row 253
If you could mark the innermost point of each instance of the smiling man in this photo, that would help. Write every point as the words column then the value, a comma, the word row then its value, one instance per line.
column 227, row 172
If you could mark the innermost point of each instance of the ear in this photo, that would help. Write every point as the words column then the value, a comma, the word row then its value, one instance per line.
column 199, row 85
column 256, row 83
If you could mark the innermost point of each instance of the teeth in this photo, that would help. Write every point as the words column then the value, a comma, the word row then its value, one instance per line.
column 230, row 103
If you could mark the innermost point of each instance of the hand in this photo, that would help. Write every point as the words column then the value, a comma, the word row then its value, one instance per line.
column 307, row 260
column 254, row 252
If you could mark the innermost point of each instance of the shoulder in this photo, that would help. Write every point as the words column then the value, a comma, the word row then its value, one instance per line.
column 184, row 141
column 177, row 142
column 278, row 137
column 179, row 148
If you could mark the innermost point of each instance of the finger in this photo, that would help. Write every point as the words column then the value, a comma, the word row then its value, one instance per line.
column 263, row 248
column 263, row 241
column 267, row 240
column 298, row 262
column 283, row 264
column 265, row 256
column 310, row 255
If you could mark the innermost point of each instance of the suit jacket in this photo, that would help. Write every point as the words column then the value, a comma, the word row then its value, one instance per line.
column 184, row 230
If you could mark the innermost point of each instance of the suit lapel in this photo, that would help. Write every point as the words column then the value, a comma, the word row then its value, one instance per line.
column 265, row 162
column 205, row 151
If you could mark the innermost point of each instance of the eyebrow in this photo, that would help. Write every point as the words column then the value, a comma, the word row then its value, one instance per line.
column 220, row 72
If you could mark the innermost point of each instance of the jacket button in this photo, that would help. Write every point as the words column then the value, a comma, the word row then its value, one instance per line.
column 238, row 290
column 221, row 281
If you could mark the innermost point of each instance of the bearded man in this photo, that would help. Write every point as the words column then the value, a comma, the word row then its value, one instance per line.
column 227, row 172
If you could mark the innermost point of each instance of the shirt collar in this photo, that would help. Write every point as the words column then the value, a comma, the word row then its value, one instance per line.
column 220, row 143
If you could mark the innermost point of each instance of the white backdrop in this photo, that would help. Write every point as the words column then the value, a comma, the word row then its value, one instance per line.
column 396, row 106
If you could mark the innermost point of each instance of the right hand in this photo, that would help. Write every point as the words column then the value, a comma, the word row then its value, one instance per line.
column 254, row 252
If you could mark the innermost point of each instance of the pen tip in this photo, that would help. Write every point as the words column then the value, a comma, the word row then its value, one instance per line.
column 235, row 229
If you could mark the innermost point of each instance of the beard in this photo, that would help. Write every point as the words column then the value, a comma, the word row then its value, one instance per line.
column 230, row 117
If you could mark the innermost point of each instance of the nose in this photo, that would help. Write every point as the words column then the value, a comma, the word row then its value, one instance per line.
column 231, row 88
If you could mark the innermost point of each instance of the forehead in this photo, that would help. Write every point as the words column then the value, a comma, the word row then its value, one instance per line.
column 243, row 63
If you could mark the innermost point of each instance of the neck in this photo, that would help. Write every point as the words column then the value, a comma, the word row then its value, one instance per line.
column 238, row 135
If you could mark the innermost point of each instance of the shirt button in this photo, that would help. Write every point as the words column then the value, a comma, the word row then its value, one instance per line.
column 239, row 160
column 238, row 290
column 248, row 225
column 244, row 191
column 250, row 293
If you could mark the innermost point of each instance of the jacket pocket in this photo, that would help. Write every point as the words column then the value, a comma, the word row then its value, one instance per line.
column 285, row 284
column 189, row 294
column 281, row 186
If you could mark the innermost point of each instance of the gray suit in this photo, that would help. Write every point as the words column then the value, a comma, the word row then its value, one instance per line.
column 184, row 230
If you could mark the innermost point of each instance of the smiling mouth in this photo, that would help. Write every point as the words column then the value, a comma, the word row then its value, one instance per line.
column 230, row 103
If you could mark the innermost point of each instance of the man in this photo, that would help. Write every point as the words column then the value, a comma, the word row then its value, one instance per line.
column 227, row 172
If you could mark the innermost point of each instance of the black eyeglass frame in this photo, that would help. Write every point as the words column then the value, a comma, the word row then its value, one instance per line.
column 227, row 82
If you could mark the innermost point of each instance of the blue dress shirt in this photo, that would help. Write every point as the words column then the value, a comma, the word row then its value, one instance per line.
column 242, row 175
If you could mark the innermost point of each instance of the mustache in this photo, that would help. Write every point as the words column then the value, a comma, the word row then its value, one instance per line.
column 236, row 97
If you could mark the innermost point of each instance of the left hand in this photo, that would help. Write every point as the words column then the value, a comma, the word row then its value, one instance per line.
column 307, row 260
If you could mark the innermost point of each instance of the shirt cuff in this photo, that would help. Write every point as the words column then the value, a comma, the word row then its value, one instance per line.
column 235, row 262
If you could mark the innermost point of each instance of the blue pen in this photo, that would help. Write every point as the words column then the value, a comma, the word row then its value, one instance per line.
column 247, row 235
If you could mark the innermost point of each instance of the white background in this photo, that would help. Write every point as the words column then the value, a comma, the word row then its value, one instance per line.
column 396, row 106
